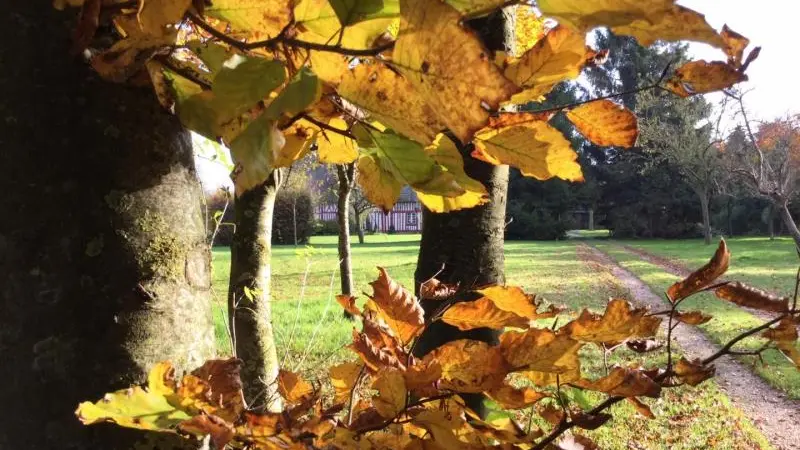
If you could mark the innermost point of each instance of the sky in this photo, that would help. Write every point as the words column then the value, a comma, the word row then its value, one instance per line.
column 771, row 24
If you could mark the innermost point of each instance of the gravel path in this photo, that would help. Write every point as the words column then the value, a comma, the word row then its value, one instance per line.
column 776, row 415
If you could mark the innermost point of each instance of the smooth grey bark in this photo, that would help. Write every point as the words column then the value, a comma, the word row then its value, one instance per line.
column 789, row 223
column 104, row 264
column 249, row 308
column 345, row 174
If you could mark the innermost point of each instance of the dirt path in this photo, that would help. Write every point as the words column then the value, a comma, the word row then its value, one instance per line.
column 776, row 415
column 680, row 270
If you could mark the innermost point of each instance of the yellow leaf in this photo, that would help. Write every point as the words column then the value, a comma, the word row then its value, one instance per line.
column 605, row 123
column 482, row 313
column 254, row 152
column 448, row 66
column 397, row 307
column 529, row 28
column 514, row 299
column 318, row 22
column 703, row 276
column 675, row 24
column 261, row 19
column 391, row 387
column 618, row 323
column 469, row 366
column 299, row 138
column 161, row 379
column 584, row 15
column 700, row 77
column 556, row 58
column 476, row 7
column 333, row 148
column 445, row 153
column 693, row 372
column 441, row 425
column 344, row 377
column 133, row 408
column 154, row 15
column 379, row 185
column 293, row 388
column 540, row 350
column 623, row 382
column 735, row 44
column 390, row 99
column 421, row 379
column 537, row 149
column 509, row 397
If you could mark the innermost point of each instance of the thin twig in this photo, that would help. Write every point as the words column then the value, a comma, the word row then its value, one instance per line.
column 353, row 394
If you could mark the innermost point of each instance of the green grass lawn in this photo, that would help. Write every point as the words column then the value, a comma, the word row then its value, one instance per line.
column 729, row 320
column 312, row 333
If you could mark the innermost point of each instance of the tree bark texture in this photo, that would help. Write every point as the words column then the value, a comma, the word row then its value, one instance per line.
column 771, row 221
column 105, row 268
column 466, row 247
column 249, row 308
column 790, row 224
column 345, row 173
column 359, row 225
column 704, row 200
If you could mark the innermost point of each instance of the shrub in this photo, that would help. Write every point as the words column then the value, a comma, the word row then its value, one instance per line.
column 292, row 208
column 538, row 224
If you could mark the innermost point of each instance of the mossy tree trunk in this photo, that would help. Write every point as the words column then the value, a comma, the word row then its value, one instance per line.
column 346, row 177
column 105, row 265
column 466, row 247
column 249, row 308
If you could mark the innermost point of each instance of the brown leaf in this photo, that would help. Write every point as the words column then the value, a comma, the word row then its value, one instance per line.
column 215, row 388
column 397, row 307
column 619, row 322
column 641, row 407
column 348, row 302
column 577, row 442
column 366, row 418
column 510, row 397
column 221, row 432
column 421, row 379
column 391, row 387
column 751, row 297
column 482, row 313
column 693, row 372
column 702, row 277
column 624, row 382
column 513, row 299
column 692, row 317
column 375, row 358
column 87, row 25
column 468, row 365
column 257, row 427
column 701, row 77
column 293, row 388
column 434, row 289
column 551, row 414
column 735, row 44
column 785, row 331
column 605, row 123
column 540, row 350
column 590, row 421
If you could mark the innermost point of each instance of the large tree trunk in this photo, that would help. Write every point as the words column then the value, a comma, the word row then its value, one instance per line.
column 105, row 265
column 789, row 223
column 249, row 309
column 706, row 216
column 345, row 174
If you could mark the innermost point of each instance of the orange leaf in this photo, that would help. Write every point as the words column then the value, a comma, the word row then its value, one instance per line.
column 605, row 123
column 221, row 432
column 441, row 425
column 624, row 382
column 700, row 77
column 391, row 387
column 397, row 307
column 735, row 44
column 514, row 299
column 434, row 289
column 375, row 358
column 693, row 372
column 468, row 365
column 259, row 427
column 293, row 388
column 510, row 397
column 482, row 313
column 785, row 337
column 618, row 323
column 348, row 302
column 702, row 277
column 344, row 377
column 693, row 317
column 641, row 407
column 748, row 296
column 421, row 379
column 214, row 388
column 540, row 350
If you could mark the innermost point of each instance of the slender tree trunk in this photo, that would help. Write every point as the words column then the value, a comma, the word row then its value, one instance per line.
column 591, row 219
column 249, row 309
column 730, row 216
column 104, row 264
column 345, row 174
column 789, row 223
column 359, row 225
column 704, row 200
column 771, row 221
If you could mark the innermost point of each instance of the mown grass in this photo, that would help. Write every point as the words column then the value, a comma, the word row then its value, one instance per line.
column 687, row 418
column 729, row 320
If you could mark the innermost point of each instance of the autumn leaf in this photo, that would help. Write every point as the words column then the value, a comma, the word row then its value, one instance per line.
column 784, row 335
column 161, row 379
column 441, row 425
column 641, row 407
column 421, row 378
column 434, row 289
column 674, row 24
column 391, row 388
column 445, row 153
column 348, row 302
column 482, row 313
column 360, row 22
column 303, row 90
column 260, row 427
column 344, row 377
column 605, row 123
column 221, row 432
column 244, row 81
column 299, row 138
column 254, row 152
column 540, row 350
column 537, row 149
column 590, row 421
column 619, row 322
column 212, row 54
column 509, row 397
column 448, row 66
column 260, row 19
column 623, row 382
column 702, row 277
column 214, row 388
column 88, row 22
column 735, row 44
column 583, row 16
column 375, row 358
column 693, row 372
column 744, row 295
column 700, row 77
column 692, row 317
column 293, row 388
column 514, row 299
column 333, row 148
column 397, row 307
column 133, row 408
column 378, row 183
column 155, row 15
column 469, row 365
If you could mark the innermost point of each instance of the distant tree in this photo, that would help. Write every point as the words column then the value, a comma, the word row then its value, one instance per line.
column 361, row 207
